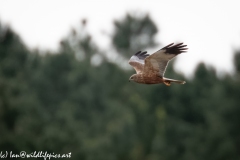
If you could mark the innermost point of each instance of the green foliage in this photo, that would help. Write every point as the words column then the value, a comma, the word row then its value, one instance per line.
column 134, row 33
column 62, row 102
column 237, row 62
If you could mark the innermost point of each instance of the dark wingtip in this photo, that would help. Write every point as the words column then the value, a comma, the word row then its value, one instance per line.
column 141, row 55
column 175, row 49
column 168, row 45
column 138, row 53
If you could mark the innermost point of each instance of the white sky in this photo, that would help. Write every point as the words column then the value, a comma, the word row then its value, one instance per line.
column 210, row 28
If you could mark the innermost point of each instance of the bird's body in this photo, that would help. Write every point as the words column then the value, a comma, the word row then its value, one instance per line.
column 150, row 68
column 147, row 79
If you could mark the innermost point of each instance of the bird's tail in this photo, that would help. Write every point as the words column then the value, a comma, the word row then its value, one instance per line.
column 168, row 81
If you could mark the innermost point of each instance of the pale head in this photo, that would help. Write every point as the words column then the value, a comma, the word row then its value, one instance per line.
column 133, row 77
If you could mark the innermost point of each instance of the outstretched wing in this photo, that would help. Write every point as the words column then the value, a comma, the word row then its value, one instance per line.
column 137, row 61
column 158, row 61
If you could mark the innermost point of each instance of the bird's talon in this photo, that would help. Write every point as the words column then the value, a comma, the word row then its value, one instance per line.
column 167, row 83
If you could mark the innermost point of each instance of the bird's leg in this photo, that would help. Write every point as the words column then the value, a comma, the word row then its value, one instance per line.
column 167, row 83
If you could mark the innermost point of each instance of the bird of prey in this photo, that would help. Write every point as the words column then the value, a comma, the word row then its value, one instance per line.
column 151, row 68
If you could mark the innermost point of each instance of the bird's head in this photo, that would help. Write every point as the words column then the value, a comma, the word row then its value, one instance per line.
column 133, row 77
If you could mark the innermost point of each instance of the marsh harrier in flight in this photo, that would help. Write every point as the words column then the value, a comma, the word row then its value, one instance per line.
column 151, row 68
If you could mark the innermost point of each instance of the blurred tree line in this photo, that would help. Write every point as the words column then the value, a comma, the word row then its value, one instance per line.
column 76, row 100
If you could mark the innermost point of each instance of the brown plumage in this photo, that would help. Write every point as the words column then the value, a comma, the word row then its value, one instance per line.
column 151, row 68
